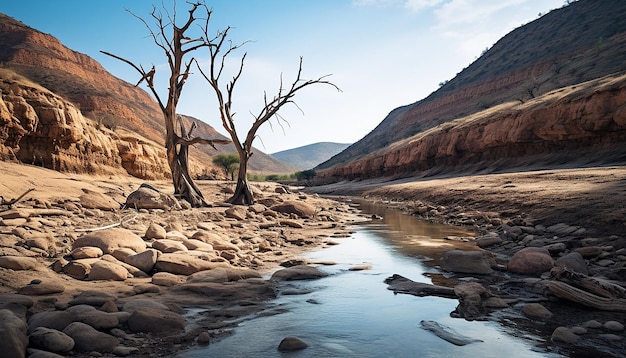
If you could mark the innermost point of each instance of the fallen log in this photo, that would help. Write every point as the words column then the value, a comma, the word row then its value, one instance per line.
column 400, row 284
column 573, row 294
column 447, row 333
column 597, row 286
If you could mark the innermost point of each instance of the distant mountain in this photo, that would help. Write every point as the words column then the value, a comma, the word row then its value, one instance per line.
column 551, row 91
column 309, row 156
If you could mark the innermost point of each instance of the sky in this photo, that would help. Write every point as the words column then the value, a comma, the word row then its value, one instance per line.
column 382, row 54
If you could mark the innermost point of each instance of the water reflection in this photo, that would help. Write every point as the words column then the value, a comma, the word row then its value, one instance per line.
column 352, row 314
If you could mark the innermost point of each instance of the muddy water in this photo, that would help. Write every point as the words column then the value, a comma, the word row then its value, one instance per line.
column 352, row 314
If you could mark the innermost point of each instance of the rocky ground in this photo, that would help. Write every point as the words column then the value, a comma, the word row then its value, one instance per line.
column 549, row 255
column 80, row 275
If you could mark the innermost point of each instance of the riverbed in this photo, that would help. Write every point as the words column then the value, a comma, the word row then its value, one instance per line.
column 351, row 313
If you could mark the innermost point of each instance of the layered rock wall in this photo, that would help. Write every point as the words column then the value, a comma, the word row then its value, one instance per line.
column 572, row 124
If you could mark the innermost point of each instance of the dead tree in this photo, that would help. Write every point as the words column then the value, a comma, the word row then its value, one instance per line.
column 177, row 47
column 219, row 52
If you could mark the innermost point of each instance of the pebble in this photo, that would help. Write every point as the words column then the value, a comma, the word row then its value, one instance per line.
column 614, row 326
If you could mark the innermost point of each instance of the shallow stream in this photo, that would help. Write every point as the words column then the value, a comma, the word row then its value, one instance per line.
column 353, row 314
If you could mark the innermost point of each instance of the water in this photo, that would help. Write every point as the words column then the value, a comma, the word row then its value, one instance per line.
column 352, row 314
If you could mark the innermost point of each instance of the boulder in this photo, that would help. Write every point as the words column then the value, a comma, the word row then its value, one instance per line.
column 236, row 212
column 531, row 261
column 144, row 261
column 169, row 246
column 104, row 270
column 51, row 340
column 473, row 262
column 181, row 263
column 148, row 197
column 155, row 321
column 18, row 263
column 166, row 279
column 299, row 208
column 289, row 344
column 111, row 239
column 573, row 261
column 155, row 231
column 537, row 311
column 564, row 335
column 88, row 339
column 94, row 200
column 50, row 319
column 41, row 288
column 223, row 274
column 92, row 298
column 299, row 272
column 138, row 303
column 99, row 320
column 86, row 252
column 13, row 332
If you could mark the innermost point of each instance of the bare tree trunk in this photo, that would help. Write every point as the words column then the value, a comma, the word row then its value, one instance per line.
column 243, row 193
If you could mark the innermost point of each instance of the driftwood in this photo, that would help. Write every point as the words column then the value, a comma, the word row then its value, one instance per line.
column 400, row 284
column 10, row 203
column 571, row 293
column 594, row 285
column 447, row 334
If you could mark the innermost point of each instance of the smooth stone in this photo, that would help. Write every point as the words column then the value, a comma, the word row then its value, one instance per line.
column 155, row 321
column 110, row 239
column 88, row 339
column 13, row 332
column 536, row 310
column 299, row 272
column 290, row 344
column 50, row 319
column 613, row 326
column 155, row 231
column 41, row 289
column 472, row 262
column 51, row 340
column 564, row 335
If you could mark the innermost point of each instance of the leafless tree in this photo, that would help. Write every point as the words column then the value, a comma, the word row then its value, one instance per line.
column 178, row 48
column 220, row 50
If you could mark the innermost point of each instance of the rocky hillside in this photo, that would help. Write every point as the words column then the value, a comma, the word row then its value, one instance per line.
column 549, row 92
column 36, row 67
column 309, row 156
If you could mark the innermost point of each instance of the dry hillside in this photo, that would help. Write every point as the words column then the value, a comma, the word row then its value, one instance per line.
column 549, row 91
column 29, row 57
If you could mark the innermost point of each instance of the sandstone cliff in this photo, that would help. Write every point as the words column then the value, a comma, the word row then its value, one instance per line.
column 571, row 46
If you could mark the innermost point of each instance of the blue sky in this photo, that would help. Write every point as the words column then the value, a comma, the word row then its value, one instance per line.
column 381, row 53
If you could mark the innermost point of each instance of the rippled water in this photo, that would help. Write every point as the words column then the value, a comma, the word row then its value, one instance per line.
column 352, row 314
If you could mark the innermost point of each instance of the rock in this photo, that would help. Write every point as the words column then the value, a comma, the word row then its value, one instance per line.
column 138, row 303
column 473, row 262
column 613, row 326
column 204, row 338
column 290, row 344
column 298, row 208
column 104, row 270
column 176, row 236
column 166, row 279
column 110, row 239
column 155, row 231
column 531, row 261
column 182, row 264
column 487, row 240
column 223, row 274
column 564, row 335
column 88, row 339
column 589, row 252
column 471, row 299
column 42, row 288
column 362, row 267
column 144, row 261
column 214, row 239
column 94, row 200
column 18, row 263
column 57, row 320
column 99, row 320
column 22, row 300
column 92, row 298
column 536, row 310
column 146, row 288
column 121, row 351
column 78, row 269
column 236, row 212
column 169, row 246
column 193, row 244
column 291, row 223
column 155, row 321
column 86, row 252
column 51, row 340
column 592, row 324
column 37, row 353
column 447, row 333
column 148, row 197
column 299, row 272
column 573, row 261
column 13, row 332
